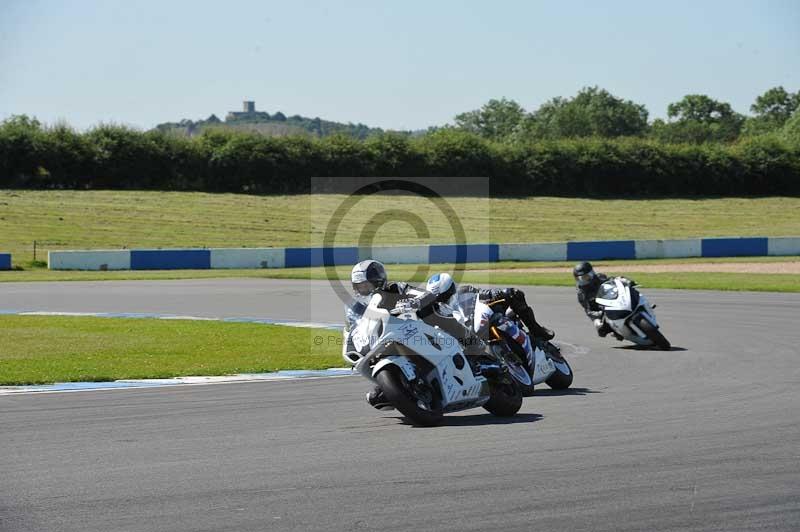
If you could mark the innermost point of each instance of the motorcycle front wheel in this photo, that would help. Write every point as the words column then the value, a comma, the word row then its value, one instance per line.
column 515, row 359
column 519, row 372
column 654, row 334
column 392, row 382
column 506, row 399
column 561, row 379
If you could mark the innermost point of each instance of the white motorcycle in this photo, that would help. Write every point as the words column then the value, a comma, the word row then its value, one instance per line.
column 548, row 364
column 629, row 314
column 422, row 370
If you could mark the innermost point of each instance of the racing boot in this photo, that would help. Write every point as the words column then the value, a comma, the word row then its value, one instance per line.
column 536, row 329
column 525, row 313
column 377, row 399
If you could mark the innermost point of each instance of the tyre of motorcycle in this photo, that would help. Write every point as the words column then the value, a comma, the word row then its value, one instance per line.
column 393, row 384
column 561, row 379
column 505, row 400
column 516, row 359
column 653, row 334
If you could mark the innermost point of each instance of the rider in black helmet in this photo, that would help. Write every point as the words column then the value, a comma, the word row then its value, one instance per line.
column 587, row 282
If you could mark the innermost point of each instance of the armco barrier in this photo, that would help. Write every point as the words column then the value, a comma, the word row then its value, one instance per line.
column 397, row 254
column 171, row 259
column 669, row 249
column 89, row 260
column 613, row 249
column 5, row 261
column 305, row 257
column 555, row 251
column 463, row 253
column 734, row 247
column 783, row 246
column 247, row 258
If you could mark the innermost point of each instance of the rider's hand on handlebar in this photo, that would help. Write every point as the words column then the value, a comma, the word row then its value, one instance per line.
column 407, row 305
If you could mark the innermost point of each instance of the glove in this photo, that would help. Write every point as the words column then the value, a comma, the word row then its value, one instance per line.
column 597, row 323
column 498, row 318
column 408, row 305
column 509, row 293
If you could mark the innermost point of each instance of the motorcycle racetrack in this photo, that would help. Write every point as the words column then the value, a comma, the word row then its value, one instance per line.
column 703, row 437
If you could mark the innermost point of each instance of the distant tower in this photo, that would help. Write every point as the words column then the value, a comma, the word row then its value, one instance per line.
column 249, row 107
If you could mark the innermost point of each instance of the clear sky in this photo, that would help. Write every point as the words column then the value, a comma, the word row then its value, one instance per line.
column 393, row 64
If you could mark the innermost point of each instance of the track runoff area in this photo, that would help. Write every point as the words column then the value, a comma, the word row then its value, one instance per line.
column 703, row 437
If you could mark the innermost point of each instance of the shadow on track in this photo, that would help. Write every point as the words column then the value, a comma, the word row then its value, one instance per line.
column 635, row 347
column 549, row 392
column 474, row 420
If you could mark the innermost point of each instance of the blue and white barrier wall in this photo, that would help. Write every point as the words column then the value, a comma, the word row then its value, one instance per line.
column 5, row 261
column 167, row 259
column 204, row 259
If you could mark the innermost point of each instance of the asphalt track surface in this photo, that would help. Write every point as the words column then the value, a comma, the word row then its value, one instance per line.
column 705, row 437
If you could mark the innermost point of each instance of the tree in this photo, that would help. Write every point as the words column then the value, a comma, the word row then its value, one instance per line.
column 772, row 110
column 776, row 104
column 791, row 130
column 21, row 146
column 700, row 108
column 698, row 118
column 280, row 117
column 592, row 112
column 495, row 120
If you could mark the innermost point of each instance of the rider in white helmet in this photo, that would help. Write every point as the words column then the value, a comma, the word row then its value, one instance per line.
column 368, row 278
column 442, row 283
column 449, row 297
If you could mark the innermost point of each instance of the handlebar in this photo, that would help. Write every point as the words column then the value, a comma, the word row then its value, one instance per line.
column 413, row 304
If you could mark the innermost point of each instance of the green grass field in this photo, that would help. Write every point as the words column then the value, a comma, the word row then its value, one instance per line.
column 44, row 349
column 119, row 219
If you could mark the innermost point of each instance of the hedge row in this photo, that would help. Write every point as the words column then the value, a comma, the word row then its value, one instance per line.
column 111, row 157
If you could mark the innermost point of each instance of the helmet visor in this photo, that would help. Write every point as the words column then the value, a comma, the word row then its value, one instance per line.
column 363, row 288
column 585, row 278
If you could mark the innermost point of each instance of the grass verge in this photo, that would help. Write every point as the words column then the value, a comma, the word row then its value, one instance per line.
column 68, row 219
column 46, row 349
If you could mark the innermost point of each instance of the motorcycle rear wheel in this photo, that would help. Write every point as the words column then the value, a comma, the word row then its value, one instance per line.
column 390, row 379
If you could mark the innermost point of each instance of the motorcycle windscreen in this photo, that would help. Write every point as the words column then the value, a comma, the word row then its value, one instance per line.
column 352, row 313
column 466, row 302
column 607, row 291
